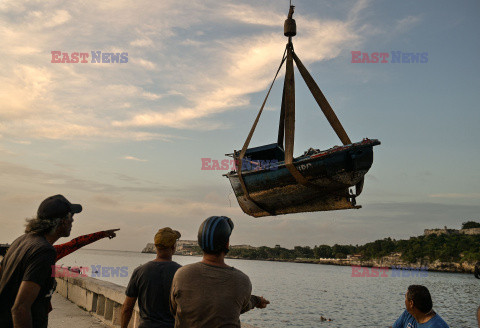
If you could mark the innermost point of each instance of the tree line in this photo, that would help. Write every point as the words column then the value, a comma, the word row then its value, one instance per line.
column 444, row 247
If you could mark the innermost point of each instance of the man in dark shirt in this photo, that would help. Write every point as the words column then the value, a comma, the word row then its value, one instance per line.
column 151, row 283
column 26, row 282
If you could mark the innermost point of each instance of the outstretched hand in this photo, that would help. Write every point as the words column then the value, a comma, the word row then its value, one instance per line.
column 263, row 303
column 111, row 233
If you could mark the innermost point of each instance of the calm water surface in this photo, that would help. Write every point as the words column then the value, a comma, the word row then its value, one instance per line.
column 301, row 293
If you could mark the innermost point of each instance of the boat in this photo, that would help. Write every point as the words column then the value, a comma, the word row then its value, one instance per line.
column 330, row 175
column 269, row 181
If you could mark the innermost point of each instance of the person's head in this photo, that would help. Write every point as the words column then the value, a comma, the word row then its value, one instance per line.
column 165, row 241
column 214, row 235
column 54, row 216
column 418, row 298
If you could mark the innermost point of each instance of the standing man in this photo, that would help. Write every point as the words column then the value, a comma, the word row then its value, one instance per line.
column 151, row 283
column 419, row 312
column 26, row 282
column 210, row 293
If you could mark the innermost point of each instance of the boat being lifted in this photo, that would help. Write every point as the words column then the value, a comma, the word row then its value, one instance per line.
column 269, row 181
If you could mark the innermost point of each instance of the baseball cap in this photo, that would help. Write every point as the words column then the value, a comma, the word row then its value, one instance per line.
column 56, row 207
column 166, row 237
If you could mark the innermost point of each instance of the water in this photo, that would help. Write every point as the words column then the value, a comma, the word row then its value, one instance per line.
column 301, row 293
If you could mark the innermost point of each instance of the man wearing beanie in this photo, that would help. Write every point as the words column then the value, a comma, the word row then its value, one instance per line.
column 150, row 284
column 26, row 282
column 210, row 293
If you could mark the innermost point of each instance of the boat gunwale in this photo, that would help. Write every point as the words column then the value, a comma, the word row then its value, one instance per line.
column 303, row 159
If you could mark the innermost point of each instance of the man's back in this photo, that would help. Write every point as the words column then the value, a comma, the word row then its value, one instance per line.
column 151, row 284
column 209, row 296
column 29, row 258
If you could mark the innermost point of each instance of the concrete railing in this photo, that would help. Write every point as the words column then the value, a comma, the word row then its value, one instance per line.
column 102, row 299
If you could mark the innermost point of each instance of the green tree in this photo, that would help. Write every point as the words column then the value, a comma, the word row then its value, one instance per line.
column 322, row 251
column 470, row 225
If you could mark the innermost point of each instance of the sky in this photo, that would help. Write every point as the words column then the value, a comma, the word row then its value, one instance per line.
column 126, row 140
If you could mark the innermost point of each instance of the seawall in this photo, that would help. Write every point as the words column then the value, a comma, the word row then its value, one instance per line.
column 102, row 299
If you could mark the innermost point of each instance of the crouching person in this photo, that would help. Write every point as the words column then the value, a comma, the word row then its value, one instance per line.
column 210, row 293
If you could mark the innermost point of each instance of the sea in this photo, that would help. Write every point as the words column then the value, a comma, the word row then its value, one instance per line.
column 300, row 293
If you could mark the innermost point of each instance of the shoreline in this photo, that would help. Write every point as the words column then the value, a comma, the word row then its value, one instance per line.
column 448, row 267
column 437, row 266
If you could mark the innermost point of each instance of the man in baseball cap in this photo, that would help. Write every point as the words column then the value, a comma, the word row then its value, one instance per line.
column 166, row 238
column 56, row 207
column 151, row 283
column 26, row 282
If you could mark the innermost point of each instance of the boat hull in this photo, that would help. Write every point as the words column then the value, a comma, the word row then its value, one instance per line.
column 330, row 174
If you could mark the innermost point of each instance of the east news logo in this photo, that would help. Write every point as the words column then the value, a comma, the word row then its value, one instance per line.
column 398, row 57
column 97, row 57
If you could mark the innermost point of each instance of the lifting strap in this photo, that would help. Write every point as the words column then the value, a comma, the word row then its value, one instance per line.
column 289, row 91
column 281, row 124
column 247, row 142
column 322, row 102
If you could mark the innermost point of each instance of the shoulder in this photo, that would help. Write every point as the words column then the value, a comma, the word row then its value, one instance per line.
column 38, row 245
column 240, row 274
column 437, row 321
column 140, row 269
column 404, row 319
column 174, row 265
column 37, row 240
column 189, row 268
column 19, row 240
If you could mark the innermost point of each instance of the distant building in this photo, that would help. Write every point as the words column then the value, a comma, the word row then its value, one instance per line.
column 189, row 247
column 439, row 232
column 472, row 231
column 446, row 231
column 181, row 244
column 354, row 257
column 243, row 246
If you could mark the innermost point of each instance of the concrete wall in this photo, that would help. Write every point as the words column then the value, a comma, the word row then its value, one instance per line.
column 101, row 298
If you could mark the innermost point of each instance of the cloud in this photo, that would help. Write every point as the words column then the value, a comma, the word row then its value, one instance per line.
column 22, row 173
column 135, row 159
column 179, row 74
column 142, row 42
column 244, row 65
column 407, row 23
column 250, row 15
column 105, row 200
